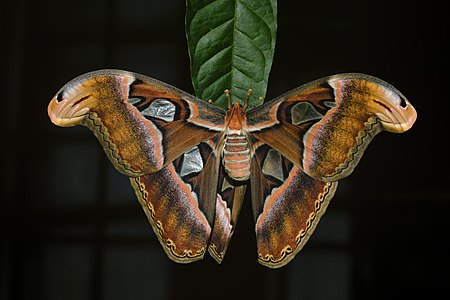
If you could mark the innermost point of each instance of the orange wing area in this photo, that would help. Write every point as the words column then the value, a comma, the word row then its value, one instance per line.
column 287, row 214
column 118, row 106
column 174, row 213
column 324, row 127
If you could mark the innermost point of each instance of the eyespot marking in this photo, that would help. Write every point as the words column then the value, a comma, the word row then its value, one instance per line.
column 59, row 97
column 403, row 103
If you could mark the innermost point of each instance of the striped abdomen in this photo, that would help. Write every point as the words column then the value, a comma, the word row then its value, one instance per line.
column 236, row 157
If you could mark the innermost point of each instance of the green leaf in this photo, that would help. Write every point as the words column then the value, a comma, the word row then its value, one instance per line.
column 231, row 46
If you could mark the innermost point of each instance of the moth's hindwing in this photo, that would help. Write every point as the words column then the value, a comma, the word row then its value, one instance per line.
column 287, row 205
column 174, row 213
column 179, row 202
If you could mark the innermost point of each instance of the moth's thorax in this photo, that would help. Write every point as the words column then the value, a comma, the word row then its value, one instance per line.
column 235, row 118
column 236, row 150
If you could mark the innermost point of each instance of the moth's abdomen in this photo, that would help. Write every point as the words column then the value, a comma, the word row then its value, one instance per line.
column 236, row 157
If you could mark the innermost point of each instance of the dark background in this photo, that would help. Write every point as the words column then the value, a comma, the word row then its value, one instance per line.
column 71, row 227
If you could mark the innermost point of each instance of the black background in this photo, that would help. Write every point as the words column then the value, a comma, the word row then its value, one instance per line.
column 71, row 227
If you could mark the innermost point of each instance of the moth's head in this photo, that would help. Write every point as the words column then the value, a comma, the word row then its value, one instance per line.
column 390, row 106
column 75, row 100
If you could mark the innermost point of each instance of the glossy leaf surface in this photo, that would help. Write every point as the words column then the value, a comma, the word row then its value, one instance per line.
column 231, row 46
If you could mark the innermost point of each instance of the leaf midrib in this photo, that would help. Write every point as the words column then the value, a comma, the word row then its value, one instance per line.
column 233, row 46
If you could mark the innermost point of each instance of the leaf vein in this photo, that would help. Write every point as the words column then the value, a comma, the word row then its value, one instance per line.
column 254, row 12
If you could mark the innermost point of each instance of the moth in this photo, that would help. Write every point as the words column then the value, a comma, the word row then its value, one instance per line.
column 191, row 162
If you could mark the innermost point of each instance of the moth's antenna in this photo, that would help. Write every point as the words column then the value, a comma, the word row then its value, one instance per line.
column 249, row 93
column 260, row 100
column 227, row 95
